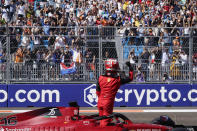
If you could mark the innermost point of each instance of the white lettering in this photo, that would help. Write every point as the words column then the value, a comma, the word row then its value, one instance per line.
column 37, row 94
column 163, row 91
column 119, row 99
column 127, row 92
column 139, row 97
column 177, row 97
column 17, row 95
column 50, row 95
column 149, row 98
column 18, row 129
column 5, row 95
column 190, row 95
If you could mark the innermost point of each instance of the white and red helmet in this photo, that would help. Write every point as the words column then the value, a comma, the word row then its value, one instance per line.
column 111, row 65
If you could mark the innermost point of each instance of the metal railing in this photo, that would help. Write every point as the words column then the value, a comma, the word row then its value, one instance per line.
column 102, row 43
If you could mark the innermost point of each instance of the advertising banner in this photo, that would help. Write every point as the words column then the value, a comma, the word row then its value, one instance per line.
column 193, row 93
column 150, row 95
column 130, row 95
column 155, row 95
column 43, row 95
column 3, row 95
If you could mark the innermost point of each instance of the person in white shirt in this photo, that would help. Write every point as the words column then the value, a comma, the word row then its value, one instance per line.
column 141, row 32
column 4, row 14
column 184, row 63
column 58, row 3
column 77, row 59
column 7, row 2
column 77, row 56
column 152, row 63
column 132, row 57
column 37, row 41
column 25, row 40
column 165, row 60
column 59, row 42
column 183, row 58
column 121, row 31
column 21, row 10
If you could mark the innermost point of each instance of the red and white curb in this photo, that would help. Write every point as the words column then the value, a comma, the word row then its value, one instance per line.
column 118, row 110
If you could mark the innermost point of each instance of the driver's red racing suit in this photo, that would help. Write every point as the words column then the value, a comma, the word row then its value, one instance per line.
column 106, row 89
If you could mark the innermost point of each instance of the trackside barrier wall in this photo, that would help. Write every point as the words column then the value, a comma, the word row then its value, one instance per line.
column 130, row 95
column 194, row 95
column 3, row 95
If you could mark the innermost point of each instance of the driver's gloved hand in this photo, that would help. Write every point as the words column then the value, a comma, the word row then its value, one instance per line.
column 129, row 65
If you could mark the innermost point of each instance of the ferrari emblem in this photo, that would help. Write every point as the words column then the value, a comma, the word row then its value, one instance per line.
column 109, row 79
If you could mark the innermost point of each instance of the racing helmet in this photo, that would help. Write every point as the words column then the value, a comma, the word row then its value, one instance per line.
column 111, row 65
column 164, row 120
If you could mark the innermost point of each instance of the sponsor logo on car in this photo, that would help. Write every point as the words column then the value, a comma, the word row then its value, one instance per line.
column 16, row 129
column 90, row 96
column 52, row 113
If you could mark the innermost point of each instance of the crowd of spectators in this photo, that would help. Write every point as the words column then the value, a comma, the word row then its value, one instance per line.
column 41, row 30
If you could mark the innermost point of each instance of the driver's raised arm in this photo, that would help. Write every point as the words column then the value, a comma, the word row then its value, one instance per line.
column 124, row 79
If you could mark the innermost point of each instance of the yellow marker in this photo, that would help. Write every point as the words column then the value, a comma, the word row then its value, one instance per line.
column 109, row 79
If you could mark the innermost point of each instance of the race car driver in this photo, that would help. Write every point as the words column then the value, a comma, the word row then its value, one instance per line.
column 107, row 87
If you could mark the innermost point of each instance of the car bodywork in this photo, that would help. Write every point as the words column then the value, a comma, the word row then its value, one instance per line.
column 68, row 119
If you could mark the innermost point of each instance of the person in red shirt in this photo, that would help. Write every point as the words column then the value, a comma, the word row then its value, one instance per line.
column 107, row 87
column 98, row 20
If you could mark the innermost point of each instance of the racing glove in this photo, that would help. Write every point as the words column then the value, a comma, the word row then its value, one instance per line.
column 129, row 65
column 130, row 70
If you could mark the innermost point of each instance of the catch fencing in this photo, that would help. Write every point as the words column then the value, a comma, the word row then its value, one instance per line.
column 31, row 55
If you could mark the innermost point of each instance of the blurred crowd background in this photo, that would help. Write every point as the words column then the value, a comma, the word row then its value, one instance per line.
column 158, row 37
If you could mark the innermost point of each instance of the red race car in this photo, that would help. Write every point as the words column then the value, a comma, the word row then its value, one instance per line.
column 68, row 119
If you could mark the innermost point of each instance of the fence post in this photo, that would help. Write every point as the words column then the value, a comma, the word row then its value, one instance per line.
column 7, row 55
column 100, row 51
column 190, row 56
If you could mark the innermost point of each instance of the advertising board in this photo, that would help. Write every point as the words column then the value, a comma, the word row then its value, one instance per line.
column 3, row 95
column 194, row 95
column 43, row 95
column 130, row 95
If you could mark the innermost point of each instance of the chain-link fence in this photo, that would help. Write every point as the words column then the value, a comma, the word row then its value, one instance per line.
column 45, row 54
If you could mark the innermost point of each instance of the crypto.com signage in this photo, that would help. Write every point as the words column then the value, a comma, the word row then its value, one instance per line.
column 131, row 95
column 148, row 95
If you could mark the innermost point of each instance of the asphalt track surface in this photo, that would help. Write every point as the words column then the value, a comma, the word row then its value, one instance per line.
column 181, row 115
